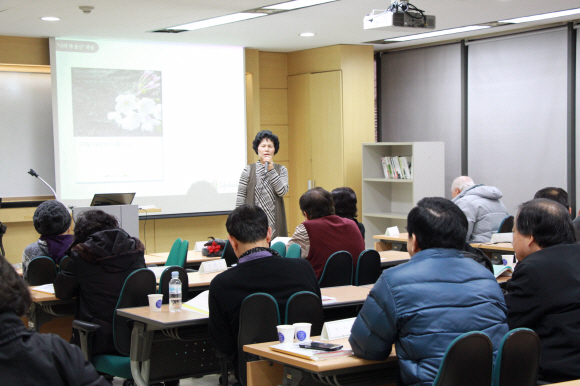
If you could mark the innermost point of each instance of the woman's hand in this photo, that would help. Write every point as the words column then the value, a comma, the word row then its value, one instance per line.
column 268, row 159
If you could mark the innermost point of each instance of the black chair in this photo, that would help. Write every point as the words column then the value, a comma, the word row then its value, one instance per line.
column 63, row 263
column 41, row 270
column 259, row 316
column 518, row 359
column 467, row 361
column 507, row 225
column 137, row 286
column 229, row 255
column 368, row 267
column 166, row 278
column 305, row 307
column 337, row 271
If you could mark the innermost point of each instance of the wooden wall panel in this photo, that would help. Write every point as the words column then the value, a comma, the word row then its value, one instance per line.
column 273, row 106
column 192, row 229
column 26, row 51
column 18, row 236
column 300, row 144
column 358, row 114
column 273, row 70
column 314, row 60
column 252, row 100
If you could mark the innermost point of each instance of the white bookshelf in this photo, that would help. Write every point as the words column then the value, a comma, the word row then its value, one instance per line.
column 387, row 202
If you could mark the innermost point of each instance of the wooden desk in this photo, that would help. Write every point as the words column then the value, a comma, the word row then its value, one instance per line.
column 193, row 257
column 387, row 243
column 297, row 369
column 46, row 307
column 347, row 295
column 391, row 258
column 569, row 383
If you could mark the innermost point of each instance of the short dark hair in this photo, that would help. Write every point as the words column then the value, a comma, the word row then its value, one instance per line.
column 92, row 221
column 344, row 202
column 14, row 293
column 437, row 223
column 317, row 203
column 248, row 224
column 266, row 134
column 555, row 194
column 546, row 221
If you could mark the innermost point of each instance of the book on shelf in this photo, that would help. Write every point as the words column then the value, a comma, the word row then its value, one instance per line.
column 502, row 270
column 313, row 355
column 396, row 167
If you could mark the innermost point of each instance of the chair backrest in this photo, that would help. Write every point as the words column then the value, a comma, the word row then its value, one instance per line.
column 467, row 361
column 337, row 271
column 507, row 225
column 63, row 263
column 229, row 255
column 138, row 285
column 259, row 316
column 41, row 270
column 368, row 267
column 518, row 359
column 294, row 250
column 173, row 257
column 279, row 247
column 166, row 278
column 182, row 256
column 305, row 307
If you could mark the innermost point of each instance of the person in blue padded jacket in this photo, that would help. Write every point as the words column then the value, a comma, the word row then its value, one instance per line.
column 421, row 306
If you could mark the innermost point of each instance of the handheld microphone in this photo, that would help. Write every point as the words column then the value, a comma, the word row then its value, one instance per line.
column 266, row 166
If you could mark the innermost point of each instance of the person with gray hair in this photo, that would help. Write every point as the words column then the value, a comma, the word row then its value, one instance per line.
column 482, row 207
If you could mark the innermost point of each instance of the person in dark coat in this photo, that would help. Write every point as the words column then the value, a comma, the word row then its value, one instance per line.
column 30, row 358
column 102, row 257
column 345, row 206
column 259, row 269
column 423, row 305
column 544, row 291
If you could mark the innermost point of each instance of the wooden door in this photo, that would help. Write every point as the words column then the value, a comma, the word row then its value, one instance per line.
column 327, row 134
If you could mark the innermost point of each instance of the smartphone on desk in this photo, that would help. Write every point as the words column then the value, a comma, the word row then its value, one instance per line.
column 321, row 346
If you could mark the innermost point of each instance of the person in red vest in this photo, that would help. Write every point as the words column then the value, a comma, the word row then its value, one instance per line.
column 323, row 232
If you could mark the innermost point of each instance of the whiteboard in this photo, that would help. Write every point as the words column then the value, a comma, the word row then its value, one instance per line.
column 26, row 137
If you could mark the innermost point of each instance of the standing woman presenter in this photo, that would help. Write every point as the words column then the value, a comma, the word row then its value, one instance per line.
column 265, row 183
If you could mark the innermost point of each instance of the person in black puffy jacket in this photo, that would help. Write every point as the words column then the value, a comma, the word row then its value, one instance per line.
column 102, row 257
column 30, row 358
column 423, row 305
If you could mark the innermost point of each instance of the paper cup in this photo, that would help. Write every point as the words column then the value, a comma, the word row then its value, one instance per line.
column 155, row 302
column 302, row 331
column 286, row 334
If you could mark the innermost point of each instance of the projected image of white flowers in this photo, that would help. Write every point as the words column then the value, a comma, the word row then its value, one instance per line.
column 121, row 103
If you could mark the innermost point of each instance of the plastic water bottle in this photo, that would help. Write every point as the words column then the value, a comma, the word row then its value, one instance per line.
column 175, row 293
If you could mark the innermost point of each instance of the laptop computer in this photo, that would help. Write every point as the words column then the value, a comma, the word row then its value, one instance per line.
column 101, row 199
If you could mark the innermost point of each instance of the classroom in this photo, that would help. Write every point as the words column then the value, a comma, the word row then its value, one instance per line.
column 500, row 99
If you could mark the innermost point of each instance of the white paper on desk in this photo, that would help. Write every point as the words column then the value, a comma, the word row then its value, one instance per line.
column 337, row 329
column 502, row 238
column 199, row 246
column 48, row 288
column 158, row 271
column 282, row 239
column 328, row 300
column 213, row 266
column 200, row 303
column 392, row 231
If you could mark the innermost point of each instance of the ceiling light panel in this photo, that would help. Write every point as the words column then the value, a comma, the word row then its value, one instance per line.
column 437, row 33
column 218, row 21
column 290, row 5
column 543, row 16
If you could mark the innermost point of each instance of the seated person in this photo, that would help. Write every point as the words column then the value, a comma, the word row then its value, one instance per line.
column 481, row 205
column 323, row 232
column 345, row 206
column 560, row 196
column 102, row 256
column 30, row 358
column 52, row 221
column 544, row 290
column 259, row 269
column 402, row 308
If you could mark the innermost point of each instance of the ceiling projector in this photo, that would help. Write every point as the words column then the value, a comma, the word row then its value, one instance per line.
column 399, row 15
